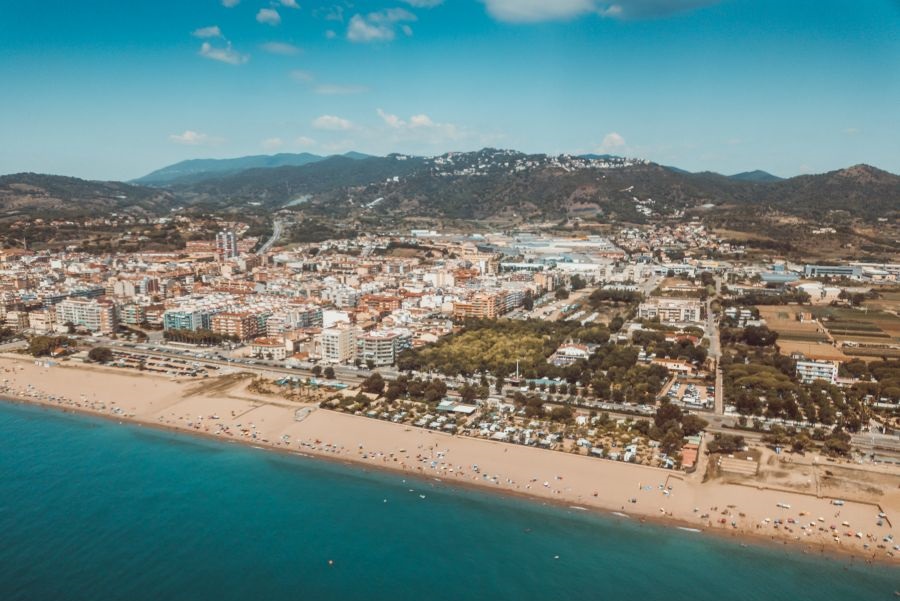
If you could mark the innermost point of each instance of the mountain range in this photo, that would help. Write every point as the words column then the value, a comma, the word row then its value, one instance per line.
column 195, row 170
column 486, row 184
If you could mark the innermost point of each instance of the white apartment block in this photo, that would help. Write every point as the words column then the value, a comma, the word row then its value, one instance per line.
column 672, row 310
column 338, row 345
column 809, row 371
column 91, row 314
column 382, row 347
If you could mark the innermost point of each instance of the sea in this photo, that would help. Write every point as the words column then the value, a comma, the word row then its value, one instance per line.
column 91, row 509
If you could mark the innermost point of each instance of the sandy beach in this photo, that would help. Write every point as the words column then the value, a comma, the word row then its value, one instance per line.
column 225, row 409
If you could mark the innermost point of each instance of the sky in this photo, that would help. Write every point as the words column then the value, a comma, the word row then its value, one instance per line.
column 105, row 89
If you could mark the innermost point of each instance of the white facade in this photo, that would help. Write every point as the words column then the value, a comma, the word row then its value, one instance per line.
column 338, row 345
column 672, row 310
column 809, row 371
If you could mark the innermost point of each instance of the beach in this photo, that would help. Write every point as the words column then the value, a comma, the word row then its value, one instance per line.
column 223, row 408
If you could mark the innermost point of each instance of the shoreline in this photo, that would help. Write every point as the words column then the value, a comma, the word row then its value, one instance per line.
column 612, row 489
column 788, row 545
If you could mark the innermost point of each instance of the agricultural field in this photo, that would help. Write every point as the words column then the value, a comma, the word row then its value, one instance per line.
column 784, row 320
column 819, row 351
column 859, row 325
column 869, row 332
column 888, row 301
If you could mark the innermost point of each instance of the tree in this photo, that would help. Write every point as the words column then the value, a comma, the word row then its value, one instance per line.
column 317, row 370
column 374, row 384
column 40, row 346
column 671, row 441
column 528, row 302
column 561, row 293
column 100, row 354
column 435, row 391
column 838, row 443
column 616, row 324
column 562, row 414
column 665, row 413
column 726, row 443
column 800, row 443
column 693, row 424
column 468, row 393
column 329, row 373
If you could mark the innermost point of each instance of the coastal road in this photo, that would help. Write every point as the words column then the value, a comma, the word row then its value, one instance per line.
column 343, row 373
column 277, row 229
column 13, row 346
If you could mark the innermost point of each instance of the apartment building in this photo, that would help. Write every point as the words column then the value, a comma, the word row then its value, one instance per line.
column 672, row 310
column 226, row 245
column 809, row 371
column 94, row 315
column 479, row 306
column 338, row 345
column 132, row 314
column 382, row 347
column 242, row 326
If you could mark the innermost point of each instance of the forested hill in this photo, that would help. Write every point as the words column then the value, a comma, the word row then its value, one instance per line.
column 499, row 183
column 487, row 184
column 38, row 195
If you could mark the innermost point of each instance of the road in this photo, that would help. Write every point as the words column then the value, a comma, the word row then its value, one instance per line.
column 343, row 373
column 715, row 348
column 277, row 229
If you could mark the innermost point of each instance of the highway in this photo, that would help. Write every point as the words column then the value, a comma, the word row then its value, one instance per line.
column 277, row 229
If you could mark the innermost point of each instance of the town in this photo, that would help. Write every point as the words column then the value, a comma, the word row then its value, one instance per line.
column 629, row 347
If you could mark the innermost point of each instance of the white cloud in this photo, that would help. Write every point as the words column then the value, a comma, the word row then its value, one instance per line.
column 532, row 11
column 193, row 138
column 379, row 26
column 330, row 89
column 424, row 3
column 212, row 31
column 612, row 141
column 225, row 55
column 330, row 34
column 230, row 3
column 289, row 3
column 391, row 120
column 332, row 123
column 304, row 76
column 525, row 11
column 851, row 131
column 269, row 16
column 281, row 48
column 326, row 89
column 422, row 129
column 305, row 141
column 271, row 144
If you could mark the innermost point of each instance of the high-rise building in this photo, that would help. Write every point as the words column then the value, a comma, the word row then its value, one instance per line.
column 338, row 344
column 94, row 315
column 226, row 245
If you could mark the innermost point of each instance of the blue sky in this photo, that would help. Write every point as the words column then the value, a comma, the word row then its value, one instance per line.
column 110, row 89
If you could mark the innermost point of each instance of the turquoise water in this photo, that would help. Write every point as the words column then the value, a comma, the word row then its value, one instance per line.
column 90, row 509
